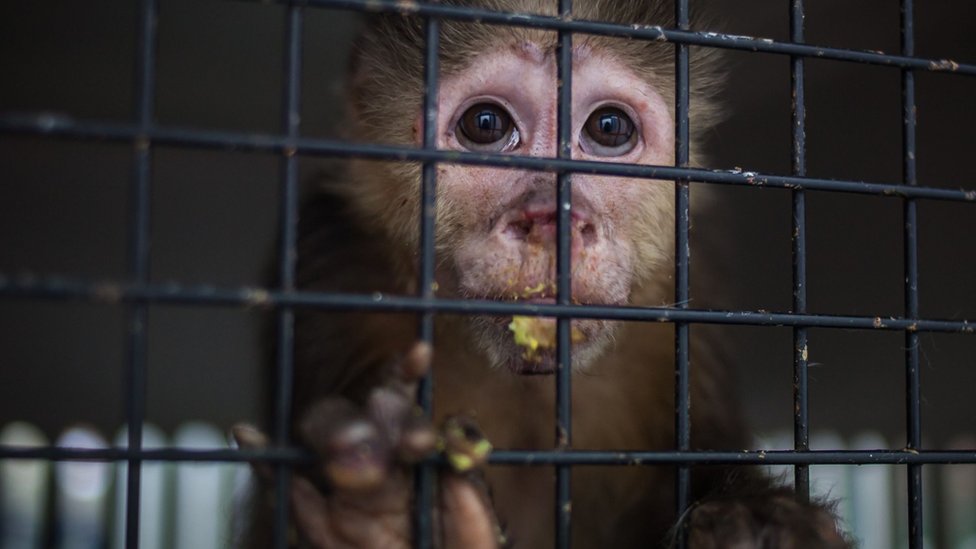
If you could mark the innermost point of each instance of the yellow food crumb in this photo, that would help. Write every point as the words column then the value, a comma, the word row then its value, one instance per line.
column 538, row 289
column 535, row 333
column 481, row 449
column 532, row 333
column 460, row 462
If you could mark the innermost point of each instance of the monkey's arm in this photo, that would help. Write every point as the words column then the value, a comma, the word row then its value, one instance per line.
column 772, row 518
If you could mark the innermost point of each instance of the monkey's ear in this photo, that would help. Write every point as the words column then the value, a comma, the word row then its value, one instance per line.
column 356, row 77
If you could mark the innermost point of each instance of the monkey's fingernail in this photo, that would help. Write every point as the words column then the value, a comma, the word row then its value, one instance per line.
column 248, row 436
column 416, row 444
column 417, row 361
column 357, row 459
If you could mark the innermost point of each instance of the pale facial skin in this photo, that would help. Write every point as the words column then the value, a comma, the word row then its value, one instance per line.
column 504, row 221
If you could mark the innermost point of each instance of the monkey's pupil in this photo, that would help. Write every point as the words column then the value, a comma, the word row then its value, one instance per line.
column 487, row 121
column 610, row 127
column 485, row 124
column 610, row 124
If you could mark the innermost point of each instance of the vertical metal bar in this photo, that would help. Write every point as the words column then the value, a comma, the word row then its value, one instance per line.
column 801, row 419
column 424, row 477
column 291, row 119
column 564, row 360
column 682, row 263
column 139, row 245
column 912, row 375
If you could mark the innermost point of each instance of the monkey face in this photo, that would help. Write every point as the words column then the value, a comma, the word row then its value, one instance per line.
column 499, row 225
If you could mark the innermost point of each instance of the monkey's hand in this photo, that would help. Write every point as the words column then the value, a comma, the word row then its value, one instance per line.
column 360, row 494
column 765, row 520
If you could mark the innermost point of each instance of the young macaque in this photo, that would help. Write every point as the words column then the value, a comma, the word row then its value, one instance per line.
column 495, row 234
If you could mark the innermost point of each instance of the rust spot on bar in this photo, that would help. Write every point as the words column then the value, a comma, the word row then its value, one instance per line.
column 108, row 292
column 256, row 297
column 562, row 440
column 944, row 65
column 407, row 6
column 141, row 142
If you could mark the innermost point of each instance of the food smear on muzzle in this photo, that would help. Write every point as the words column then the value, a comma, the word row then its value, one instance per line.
column 535, row 334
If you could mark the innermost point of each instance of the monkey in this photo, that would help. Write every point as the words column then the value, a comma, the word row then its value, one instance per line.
column 356, row 372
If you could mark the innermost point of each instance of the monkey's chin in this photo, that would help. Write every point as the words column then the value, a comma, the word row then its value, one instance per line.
column 542, row 363
column 497, row 339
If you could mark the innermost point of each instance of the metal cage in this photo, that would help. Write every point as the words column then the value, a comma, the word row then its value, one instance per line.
column 142, row 134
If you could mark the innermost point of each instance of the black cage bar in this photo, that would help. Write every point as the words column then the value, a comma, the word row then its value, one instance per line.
column 137, row 292
column 424, row 477
column 801, row 419
column 564, row 433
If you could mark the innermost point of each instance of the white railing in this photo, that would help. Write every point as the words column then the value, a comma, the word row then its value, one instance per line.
column 192, row 505
column 872, row 500
column 183, row 505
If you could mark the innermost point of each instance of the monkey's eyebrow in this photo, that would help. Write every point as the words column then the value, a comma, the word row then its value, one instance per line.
column 581, row 52
column 531, row 51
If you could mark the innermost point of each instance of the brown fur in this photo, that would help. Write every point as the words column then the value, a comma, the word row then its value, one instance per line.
column 359, row 234
column 624, row 401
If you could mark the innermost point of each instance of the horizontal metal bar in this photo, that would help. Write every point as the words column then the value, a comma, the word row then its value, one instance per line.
column 291, row 456
column 752, row 457
column 655, row 33
column 53, row 125
column 59, row 288
column 298, row 457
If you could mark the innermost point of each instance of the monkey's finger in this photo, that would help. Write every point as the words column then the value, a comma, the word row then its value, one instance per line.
column 774, row 519
column 311, row 514
column 355, row 454
column 464, row 445
column 417, row 441
column 467, row 519
column 416, row 363
column 402, row 423
column 249, row 437
column 351, row 521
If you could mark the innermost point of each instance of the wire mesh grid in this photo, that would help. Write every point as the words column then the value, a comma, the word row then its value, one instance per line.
column 138, row 292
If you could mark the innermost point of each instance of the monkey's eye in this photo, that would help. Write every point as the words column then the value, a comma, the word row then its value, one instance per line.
column 609, row 132
column 486, row 127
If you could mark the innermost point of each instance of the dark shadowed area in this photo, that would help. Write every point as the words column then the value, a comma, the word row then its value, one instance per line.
column 64, row 208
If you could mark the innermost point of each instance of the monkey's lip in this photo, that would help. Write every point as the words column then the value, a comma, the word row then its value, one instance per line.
column 545, row 366
column 536, row 339
column 538, row 300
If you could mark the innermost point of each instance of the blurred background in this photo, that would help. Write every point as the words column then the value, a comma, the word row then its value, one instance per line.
column 63, row 208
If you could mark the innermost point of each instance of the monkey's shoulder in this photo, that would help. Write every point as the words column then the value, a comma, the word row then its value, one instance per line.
column 338, row 251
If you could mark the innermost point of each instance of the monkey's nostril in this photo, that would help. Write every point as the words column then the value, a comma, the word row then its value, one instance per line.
column 519, row 229
column 588, row 234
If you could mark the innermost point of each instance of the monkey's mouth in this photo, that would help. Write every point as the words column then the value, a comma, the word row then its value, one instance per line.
column 527, row 345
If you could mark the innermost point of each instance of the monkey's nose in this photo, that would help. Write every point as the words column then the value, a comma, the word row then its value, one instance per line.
column 539, row 226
